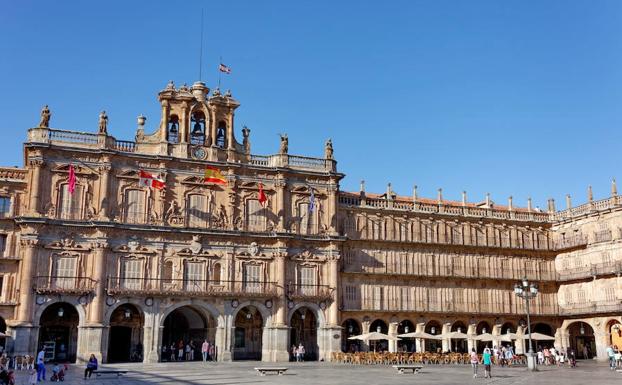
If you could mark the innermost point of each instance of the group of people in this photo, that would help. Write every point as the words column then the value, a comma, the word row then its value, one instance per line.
column 615, row 357
column 298, row 353
column 186, row 351
column 552, row 356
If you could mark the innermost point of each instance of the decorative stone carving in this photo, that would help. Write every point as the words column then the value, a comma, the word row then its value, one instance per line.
column 45, row 117
column 328, row 149
column 103, row 123
column 284, row 147
column 195, row 245
column 253, row 249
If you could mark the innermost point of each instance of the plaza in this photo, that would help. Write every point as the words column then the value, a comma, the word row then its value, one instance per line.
column 312, row 373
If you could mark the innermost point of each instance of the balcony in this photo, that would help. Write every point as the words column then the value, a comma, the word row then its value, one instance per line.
column 592, row 270
column 614, row 306
column 309, row 292
column 602, row 236
column 576, row 240
column 190, row 287
column 63, row 285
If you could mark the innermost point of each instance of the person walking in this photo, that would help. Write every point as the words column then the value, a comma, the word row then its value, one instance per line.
column 205, row 350
column 90, row 366
column 41, row 365
column 300, row 352
column 474, row 362
column 487, row 361
column 611, row 355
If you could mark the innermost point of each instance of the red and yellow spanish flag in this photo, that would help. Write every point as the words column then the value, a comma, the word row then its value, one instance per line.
column 213, row 175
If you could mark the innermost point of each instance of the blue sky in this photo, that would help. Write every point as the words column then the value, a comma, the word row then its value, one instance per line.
column 514, row 98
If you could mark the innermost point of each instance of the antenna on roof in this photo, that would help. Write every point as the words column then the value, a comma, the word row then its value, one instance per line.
column 201, row 48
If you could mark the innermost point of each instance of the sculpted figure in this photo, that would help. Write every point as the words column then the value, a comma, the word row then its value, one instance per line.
column 246, row 142
column 103, row 122
column 284, row 144
column 45, row 117
column 328, row 149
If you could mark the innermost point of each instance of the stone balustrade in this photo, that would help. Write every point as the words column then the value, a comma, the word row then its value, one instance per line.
column 590, row 308
column 590, row 271
column 8, row 174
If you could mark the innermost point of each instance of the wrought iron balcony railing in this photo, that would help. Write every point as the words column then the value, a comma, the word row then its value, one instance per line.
column 310, row 292
column 190, row 287
column 63, row 285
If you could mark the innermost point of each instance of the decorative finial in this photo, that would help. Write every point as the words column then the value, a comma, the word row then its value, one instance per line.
column 551, row 205
column 141, row 120
column 529, row 208
column 170, row 85
column 568, row 202
column 487, row 200
column 228, row 93
column 328, row 149
column 389, row 190
column 362, row 185
column 590, row 195
column 464, row 198
column 614, row 187
column 414, row 193
column 510, row 203
column 439, row 197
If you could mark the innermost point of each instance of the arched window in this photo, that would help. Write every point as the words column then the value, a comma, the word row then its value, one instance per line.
column 135, row 206
column 255, row 216
column 198, row 214
column 70, row 205
column 197, row 135
column 221, row 134
column 173, row 129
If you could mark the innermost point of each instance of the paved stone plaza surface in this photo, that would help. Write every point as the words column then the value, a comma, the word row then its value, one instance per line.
column 326, row 374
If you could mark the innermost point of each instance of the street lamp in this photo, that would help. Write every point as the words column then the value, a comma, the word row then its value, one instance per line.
column 528, row 290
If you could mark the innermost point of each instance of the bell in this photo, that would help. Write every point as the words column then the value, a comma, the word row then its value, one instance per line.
column 197, row 130
column 173, row 129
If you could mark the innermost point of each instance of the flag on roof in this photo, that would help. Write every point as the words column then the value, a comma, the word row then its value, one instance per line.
column 224, row 68
column 262, row 195
column 213, row 175
column 72, row 179
column 311, row 201
column 148, row 180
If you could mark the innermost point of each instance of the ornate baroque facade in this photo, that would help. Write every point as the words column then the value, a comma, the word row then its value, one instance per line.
column 120, row 270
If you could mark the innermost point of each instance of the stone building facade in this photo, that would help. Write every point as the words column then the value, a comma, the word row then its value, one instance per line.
column 275, row 255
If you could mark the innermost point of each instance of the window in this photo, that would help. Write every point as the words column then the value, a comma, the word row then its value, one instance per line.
column 131, row 273
column 135, row 206
column 610, row 293
column 306, row 219
column 581, row 296
column 3, row 238
column 2, row 291
column 194, row 276
column 255, row 217
column 606, row 257
column 216, row 273
column 252, row 278
column 5, row 207
column 70, row 207
column 173, row 129
column 198, row 214
column 65, row 272
column 378, row 298
column 197, row 136
column 307, row 280
column 167, row 272
column 221, row 134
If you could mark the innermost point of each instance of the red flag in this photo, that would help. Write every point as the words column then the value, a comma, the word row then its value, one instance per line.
column 262, row 196
column 72, row 179
column 148, row 180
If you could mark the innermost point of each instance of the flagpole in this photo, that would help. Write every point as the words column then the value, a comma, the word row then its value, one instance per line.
column 201, row 47
column 219, row 72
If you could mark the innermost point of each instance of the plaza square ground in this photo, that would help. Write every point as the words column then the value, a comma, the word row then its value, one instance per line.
column 326, row 374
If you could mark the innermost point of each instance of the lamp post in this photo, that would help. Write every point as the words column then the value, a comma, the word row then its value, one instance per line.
column 528, row 290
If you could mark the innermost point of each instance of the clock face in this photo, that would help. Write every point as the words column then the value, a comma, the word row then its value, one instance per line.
column 199, row 153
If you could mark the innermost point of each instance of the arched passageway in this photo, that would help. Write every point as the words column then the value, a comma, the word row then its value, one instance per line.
column 581, row 338
column 381, row 327
column 459, row 344
column 303, row 330
column 185, row 330
column 125, row 334
column 545, row 329
column 351, row 328
column 614, row 331
column 483, row 327
column 58, row 332
column 406, row 344
column 248, row 334
column 434, row 328
column 2, row 339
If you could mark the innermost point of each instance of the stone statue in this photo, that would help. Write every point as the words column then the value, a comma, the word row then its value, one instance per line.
column 45, row 117
column 170, row 85
column 246, row 142
column 328, row 149
column 284, row 144
column 103, row 123
column 173, row 209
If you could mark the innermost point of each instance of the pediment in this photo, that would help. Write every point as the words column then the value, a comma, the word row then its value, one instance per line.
column 78, row 169
column 128, row 174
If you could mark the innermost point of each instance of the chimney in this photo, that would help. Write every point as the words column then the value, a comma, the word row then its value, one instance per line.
column 464, row 198
column 510, row 204
column 440, row 196
column 529, row 208
column 551, row 205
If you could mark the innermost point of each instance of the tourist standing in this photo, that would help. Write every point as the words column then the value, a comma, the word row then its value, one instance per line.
column 41, row 365
column 611, row 355
column 180, row 350
column 192, row 349
column 173, row 352
column 474, row 362
column 585, row 356
column 90, row 366
column 487, row 361
column 300, row 353
column 205, row 350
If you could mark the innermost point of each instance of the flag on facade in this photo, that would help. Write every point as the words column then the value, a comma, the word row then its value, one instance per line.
column 148, row 180
column 262, row 195
column 213, row 175
column 224, row 68
column 72, row 179
column 311, row 202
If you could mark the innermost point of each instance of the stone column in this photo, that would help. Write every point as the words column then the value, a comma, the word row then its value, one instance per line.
column 365, row 325
column 279, row 335
column 471, row 332
column 280, row 184
column 419, row 342
column 333, row 310
column 496, row 332
column 393, row 332
column 446, row 342
column 26, row 295
column 104, row 202
column 333, row 204
column 33, row 206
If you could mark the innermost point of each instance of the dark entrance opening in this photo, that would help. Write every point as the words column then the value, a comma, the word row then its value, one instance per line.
column 248, row 334
column 304, row 331
column 125, row 335
column 58, row 332
column 185, row 329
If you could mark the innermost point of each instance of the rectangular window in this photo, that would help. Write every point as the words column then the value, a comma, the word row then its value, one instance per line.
column 64, row 275
column 131, row 273
column 194, row 276
column 252, row 278
column 135, row 206
column 197, row 211
column 3, row 238
column 307, row 280
column 306, row 219
column 610, row 293
column 255, row 215
column 581, row 296
column 378, row 298
column 5, row 207
column 2, row 291
column 70, row 204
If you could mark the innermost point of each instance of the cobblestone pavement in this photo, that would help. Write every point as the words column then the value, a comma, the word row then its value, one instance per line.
column 326, row 374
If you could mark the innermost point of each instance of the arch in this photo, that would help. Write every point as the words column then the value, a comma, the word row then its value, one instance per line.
column 58, row 331
column 304, row 330
column 221, row 134
column 184, row 329
column 433, row 327
column 407, row 344
column 459, row 344
column 542, row 328
column 2, row 339
column 208, row 310
column 173, row 129
column 136, row 304
column 125, row 335
column 263, row 310
column 508, row 327
column 613, row 328
column 379, row 326
column 351, row 328
column 582, row 340
column 481, row 328
column 248, row 333
column 197, row 128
